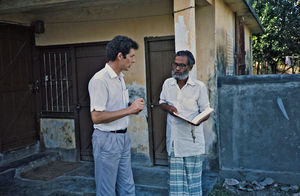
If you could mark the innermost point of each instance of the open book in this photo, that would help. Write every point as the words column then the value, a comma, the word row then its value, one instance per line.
column 198, row 118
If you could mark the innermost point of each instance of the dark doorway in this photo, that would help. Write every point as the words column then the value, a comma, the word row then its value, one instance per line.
column 18, row 123
column 159, row 54
column 71, row 66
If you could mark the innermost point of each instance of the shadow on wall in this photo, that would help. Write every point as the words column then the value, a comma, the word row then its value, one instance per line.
column 221, row 61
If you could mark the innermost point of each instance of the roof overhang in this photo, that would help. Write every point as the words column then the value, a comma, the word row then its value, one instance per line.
column 244, row 9
column 241, row 7
column 17, row 6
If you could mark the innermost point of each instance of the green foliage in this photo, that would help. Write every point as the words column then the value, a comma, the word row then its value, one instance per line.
column 281, row 20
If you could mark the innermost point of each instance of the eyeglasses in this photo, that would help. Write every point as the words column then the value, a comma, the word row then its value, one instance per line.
column 181, row 65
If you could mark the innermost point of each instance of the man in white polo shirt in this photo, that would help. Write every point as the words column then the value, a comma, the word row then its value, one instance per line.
column 109, row 102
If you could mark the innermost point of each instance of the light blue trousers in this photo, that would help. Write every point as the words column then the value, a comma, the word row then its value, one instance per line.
column 113, row 173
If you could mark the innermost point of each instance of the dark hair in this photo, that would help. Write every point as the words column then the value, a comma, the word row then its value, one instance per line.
column 118, row 44
column 190, row 57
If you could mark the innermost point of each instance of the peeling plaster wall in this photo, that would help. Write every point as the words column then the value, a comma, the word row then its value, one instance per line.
column 184, row 21
column 206, row 71
column 205, row 31
column 225, row 40
column 184, row 25
column 138, row 126
column 224, row 50
column 57, row 133
column 225, row 33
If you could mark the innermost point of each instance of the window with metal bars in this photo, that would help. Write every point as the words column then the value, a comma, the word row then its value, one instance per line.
column 56, row 80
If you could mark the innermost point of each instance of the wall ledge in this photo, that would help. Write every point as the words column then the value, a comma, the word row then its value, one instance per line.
column 250, row 79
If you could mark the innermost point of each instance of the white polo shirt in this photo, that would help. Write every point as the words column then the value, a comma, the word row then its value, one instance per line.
column 189, row 101
column 108, row 92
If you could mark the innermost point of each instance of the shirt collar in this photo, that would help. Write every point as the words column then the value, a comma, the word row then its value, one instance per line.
column 173, row 81
column 111, row 72
column 190, row 81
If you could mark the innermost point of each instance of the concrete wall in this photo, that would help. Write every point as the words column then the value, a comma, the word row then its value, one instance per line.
column 225, row 36
column 206, row 70
column 214, row 53
column 255, row 137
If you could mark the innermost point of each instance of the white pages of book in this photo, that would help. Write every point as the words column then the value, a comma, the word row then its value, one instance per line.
column 199, row 117
column 203, row 114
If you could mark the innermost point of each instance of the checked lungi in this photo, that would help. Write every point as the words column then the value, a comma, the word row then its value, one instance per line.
column 185, row 175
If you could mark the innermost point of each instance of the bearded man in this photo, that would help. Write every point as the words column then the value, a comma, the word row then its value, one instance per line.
column 185, row 142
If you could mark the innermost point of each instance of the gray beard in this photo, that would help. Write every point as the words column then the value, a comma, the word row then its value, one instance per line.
column 183, row 76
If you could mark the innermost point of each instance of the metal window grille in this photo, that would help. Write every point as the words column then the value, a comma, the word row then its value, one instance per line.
column 56, row 84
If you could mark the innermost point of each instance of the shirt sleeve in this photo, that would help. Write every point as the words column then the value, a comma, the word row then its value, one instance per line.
column 163, row 97
column 98, row 95
column 203, row 100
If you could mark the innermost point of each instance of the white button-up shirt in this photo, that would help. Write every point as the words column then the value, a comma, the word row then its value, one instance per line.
column 108, row 92
column 189, row 101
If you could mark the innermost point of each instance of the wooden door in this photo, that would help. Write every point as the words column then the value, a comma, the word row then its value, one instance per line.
column 89, row 59
column 240, row 53
column 159, row 55
column 18, row 124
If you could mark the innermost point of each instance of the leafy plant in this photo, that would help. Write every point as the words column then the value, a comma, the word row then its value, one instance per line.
column 281, row 20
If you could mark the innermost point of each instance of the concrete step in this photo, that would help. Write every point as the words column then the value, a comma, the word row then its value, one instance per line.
column 10, row 170
column 150, row 180
column 20, row 153
column 154, row 181
column 37, row 157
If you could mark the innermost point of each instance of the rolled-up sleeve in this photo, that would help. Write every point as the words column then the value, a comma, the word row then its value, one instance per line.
column 203, row 101
column 98, row 95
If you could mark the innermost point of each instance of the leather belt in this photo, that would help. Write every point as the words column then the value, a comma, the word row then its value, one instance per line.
column 119, row 131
